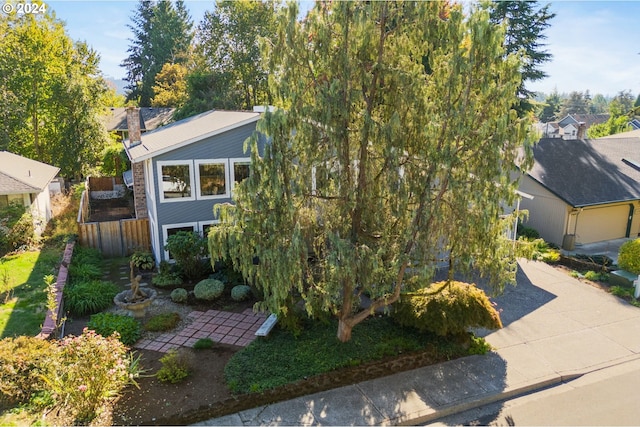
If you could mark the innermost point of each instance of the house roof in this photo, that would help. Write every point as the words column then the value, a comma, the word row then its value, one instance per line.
column 187, row 131
column 587, row 119
column 589, row 172
column 150, row 118
column 20, row 175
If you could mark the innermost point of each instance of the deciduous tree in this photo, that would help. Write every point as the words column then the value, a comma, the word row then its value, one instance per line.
column 52, row 94
column 392, row 147
column 230, row 65
column 170, row 89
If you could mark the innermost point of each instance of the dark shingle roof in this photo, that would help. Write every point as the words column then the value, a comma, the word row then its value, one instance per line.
column 588, row 172
column 150, row 118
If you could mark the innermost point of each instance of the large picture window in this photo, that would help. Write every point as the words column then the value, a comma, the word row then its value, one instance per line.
column 213, row 179
column 176, row 181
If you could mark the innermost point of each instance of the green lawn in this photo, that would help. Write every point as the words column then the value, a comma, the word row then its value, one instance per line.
column 23, row 309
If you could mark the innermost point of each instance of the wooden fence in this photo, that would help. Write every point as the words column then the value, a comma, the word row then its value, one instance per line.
column 116, row 238
column 103, row 183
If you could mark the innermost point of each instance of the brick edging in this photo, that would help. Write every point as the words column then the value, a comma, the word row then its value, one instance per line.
column 49, row 326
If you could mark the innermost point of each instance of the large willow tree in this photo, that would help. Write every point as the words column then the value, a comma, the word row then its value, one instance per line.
column 392, row 145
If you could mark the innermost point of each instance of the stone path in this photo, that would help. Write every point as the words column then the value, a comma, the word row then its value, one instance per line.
column 221, row 326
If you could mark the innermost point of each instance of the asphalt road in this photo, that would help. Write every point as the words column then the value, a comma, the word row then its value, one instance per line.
column 610, row 396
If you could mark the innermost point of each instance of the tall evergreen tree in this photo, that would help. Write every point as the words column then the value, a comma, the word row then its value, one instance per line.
column 379, row 161
column 576, row 103
column 52, row 94
column 526, row 23
column 551, row 108
column 162, row 34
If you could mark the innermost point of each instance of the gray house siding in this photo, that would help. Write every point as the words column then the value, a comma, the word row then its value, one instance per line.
column 228, row 145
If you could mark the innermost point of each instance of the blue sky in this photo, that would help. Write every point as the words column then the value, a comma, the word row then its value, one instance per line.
column 595, row 44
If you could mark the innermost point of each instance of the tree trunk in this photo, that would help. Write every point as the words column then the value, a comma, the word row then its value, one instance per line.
column 344, row 330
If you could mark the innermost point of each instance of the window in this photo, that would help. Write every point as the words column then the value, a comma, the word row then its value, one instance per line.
column 212, row 178
column 175, row 179
column 205, row 226
column 4, row 201
column 170, row 230
column 240, row 169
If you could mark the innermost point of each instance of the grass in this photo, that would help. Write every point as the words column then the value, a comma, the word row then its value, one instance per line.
column 23, row 304
column 24, row 310
column 282, row 359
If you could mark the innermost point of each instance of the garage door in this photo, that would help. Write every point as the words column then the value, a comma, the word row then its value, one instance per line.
column 595, row 225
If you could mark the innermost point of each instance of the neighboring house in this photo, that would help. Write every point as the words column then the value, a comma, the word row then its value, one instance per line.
column 573, row 126
column 585, row 190
column 26, row 181
column 181, row 170
column 635, row 124
column 548, row 130
column 150, row 119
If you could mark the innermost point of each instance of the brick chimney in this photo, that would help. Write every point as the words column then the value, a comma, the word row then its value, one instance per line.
column 135, row 138
column 582, row 130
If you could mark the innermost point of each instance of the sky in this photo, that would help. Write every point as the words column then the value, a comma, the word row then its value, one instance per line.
column 595, row 44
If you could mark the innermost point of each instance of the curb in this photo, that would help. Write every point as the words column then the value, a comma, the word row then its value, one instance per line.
column 477, row 401
column 508, row 393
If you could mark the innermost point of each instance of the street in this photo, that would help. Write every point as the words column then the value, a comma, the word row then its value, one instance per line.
column 605, row 397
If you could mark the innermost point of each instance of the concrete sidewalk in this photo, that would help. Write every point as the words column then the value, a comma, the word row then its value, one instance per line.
column 555, row 329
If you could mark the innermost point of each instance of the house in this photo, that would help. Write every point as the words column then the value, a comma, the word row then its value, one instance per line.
column 584, row 191
column 150, row 119
column 548, row 130
column 180, row 171
column 572, row 126
column 26, row 181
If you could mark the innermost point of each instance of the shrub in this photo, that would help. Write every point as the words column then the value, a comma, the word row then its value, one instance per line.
column 88, row 297
column 446, row 308
column 188, row 249
column 175, row 367
column 597, row 277
column 527, row 232
column 106, row 324
column 165, row 277
column 629, row 256
column 179, row 295
column 87, row 372
column 551, row 256
column 208, row 289
column 143, row 260
column 162, row 322
column 203, row 343
column 240, row 292
column 479, row 346
column 82, row 255
column 16, row 227
column 85, row 271
column 23, row 360
column 166, row 280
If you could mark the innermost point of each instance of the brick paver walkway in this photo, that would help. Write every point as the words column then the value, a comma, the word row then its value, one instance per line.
column 221, row 326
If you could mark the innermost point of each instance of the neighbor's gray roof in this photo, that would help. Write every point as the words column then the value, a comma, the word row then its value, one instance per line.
column 588, row 172
column 150, row 118
column 20, row 175
column 187, row 131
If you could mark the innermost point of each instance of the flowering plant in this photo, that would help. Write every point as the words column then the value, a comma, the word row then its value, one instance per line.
column 88, row 372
